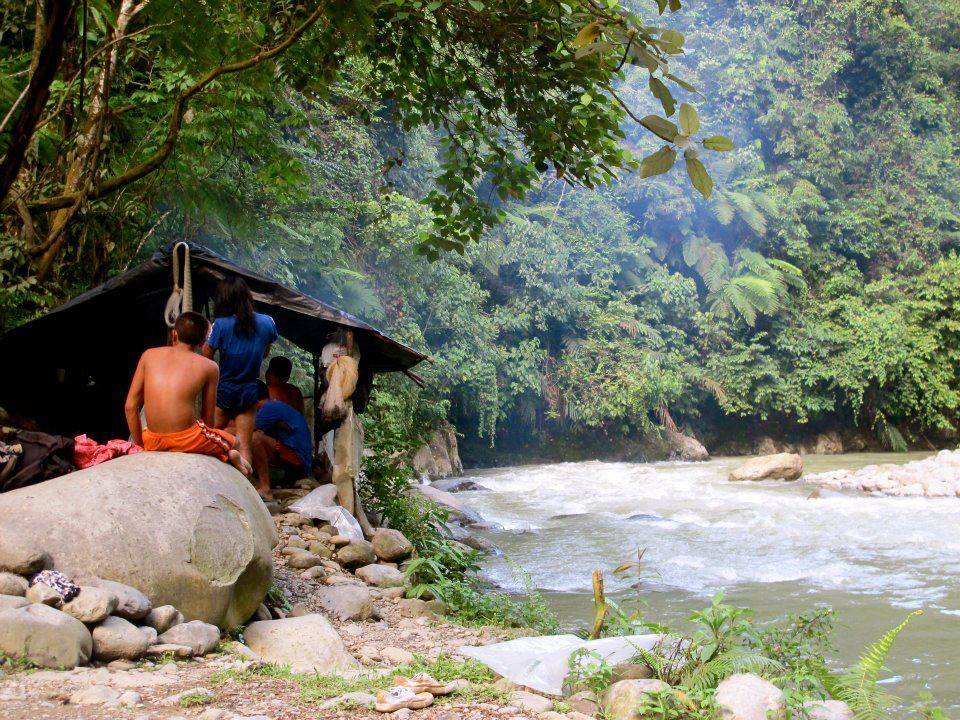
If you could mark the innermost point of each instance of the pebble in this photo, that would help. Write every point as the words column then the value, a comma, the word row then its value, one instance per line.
column 396, row 656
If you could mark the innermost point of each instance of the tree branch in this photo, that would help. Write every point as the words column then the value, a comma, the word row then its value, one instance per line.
column 175, row 122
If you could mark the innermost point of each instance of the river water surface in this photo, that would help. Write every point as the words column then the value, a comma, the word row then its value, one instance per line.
column 766, row 545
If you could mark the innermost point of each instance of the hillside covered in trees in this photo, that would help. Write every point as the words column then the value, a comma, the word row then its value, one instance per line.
column 817, row 287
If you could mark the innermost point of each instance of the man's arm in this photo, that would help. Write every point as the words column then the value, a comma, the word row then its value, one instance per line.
column 298, row 399
column 134, row 402
column 209, row 404
column 207, row 351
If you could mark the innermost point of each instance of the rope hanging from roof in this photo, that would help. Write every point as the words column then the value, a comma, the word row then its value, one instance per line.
column 181, row 299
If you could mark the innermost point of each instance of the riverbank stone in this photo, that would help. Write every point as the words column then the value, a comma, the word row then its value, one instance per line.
column 91, row 605
column 307, row 644
column 781, row 466
column 620, row 700
column 381, row 576
column 12, row 584
column 749, row 697
column 391, row 545
column 45, row 636
column 200, row 637
column 828, row 710
column 356, row 554
column 118, row 639
column 163, row 618
column 346, row 602
column 22, row 557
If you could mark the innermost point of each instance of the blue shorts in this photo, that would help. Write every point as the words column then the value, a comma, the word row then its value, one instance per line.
column 235, row 397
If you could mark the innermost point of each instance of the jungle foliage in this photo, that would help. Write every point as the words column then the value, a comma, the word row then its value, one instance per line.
column 437, row 169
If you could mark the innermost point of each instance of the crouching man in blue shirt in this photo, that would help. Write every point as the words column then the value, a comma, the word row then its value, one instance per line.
column 281, row 439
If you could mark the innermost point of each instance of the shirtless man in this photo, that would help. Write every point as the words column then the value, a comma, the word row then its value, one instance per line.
column 166, row 384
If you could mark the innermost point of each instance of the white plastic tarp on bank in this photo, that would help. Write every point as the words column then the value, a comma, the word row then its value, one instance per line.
column 542, row 663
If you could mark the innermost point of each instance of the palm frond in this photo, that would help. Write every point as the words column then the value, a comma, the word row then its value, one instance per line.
column 707, row 675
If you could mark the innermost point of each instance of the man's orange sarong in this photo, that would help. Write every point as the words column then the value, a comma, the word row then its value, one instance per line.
column 198, row 438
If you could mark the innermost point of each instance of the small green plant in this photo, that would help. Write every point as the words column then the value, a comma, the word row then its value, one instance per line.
column 590, row 670
column 10, row 664
column 278, row 599
column 678, row 705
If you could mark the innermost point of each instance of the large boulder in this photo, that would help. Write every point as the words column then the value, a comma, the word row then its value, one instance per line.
column 439, row 457
column 748, row 697
column 346, row 602
column 621, row 700
column 186, row 530
column 118, row 639
column 307, row 644
column 460, row 512
column 200, row 637
column 687, row 448
column 45, row 636
column 782, row 466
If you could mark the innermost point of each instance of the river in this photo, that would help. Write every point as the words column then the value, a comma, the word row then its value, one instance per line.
column 766, row 545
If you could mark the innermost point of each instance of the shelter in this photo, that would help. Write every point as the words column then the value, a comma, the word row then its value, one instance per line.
column 70, row 369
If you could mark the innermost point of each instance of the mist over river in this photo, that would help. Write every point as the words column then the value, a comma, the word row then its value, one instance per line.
column 767, row 545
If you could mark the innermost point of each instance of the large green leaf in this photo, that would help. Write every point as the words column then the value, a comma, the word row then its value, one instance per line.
column 663, row 94
column 661, row 127
column 659, row 162
column 720, row 143
column 689, row 119
column 699, row 175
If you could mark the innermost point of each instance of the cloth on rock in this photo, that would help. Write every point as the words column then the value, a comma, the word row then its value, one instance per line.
column 58, row 582
column 40, row 457
column 87, row 452
column 198, row 438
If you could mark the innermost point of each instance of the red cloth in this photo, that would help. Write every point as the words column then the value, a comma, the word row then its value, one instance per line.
column 88, row 452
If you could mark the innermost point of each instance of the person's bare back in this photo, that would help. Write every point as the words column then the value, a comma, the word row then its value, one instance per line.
column 166, row 385
column 173, row 377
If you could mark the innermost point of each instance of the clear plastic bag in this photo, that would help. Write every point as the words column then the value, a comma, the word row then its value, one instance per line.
column 320, row 504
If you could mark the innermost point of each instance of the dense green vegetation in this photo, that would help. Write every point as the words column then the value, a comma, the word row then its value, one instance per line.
column 816, row 288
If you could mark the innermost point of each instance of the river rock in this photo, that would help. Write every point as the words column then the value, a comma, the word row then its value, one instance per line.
column 22, row 555
column 391, row 545
column 163, row 618
column 687, row 448
column 620, row 700
column 215, row 534
column 380, row 575
column 460, row 512
column 356, row 554
column 92, row 605
column 201, row 637
column 828, row 710
column 44, row 595
column 782, row 466
column 118, row 639
column 828, row 443
column 530, row 702
column 13, row 601
column 302, row 559
column 45, row 636
column 456, row 485
column 131, row 603
column 346, row 602
column 307, row 644
column 439, row 457
column 11, row 584
column 749, row 697
column 934, row 476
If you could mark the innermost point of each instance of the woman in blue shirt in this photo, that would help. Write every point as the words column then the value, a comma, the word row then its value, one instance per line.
column 243, row 338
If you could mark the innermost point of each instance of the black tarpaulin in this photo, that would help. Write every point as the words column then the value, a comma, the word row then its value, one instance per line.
column 70, row 368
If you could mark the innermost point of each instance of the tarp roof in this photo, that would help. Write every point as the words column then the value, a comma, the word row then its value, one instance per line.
column 94, row 340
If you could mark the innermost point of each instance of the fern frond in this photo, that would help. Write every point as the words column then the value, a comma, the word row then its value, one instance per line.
column 729, row 663
column 858, row 686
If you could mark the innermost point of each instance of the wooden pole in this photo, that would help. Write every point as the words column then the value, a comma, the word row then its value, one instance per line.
column 600, row 604
column 316, row 402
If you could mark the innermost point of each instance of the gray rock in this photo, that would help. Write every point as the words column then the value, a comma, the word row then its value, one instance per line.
column 350, row 700
column 180, row 651
column 215, row 534
column 391, row 545
column 687, row 448
column 131, row 603
column 620, row 700
column 584, row 702
column 20, row 555
column 828, row 710
column 13, row 601
column 44, row 595
column 748, row 697
column 163, row 618
column 92, row 605
column 531, row 703
column 44, row 636
column 118, row 639
column 397, row 656
column 95, row 695
column 200, row 637
column 302, row 559
column 149, row 633
column 415, row 608
column 782, row 466
column 307, row 644
column 197, row 692
column 381, row 576
column 356, row 554
column 460, row 512
column 346, row 602
column 455, row 485
column 11, row 584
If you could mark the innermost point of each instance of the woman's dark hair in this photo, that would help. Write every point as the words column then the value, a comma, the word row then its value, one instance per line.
column 234, row 298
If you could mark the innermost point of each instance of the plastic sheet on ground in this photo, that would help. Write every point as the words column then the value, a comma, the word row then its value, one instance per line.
column 320, row 504
column 542, row 663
